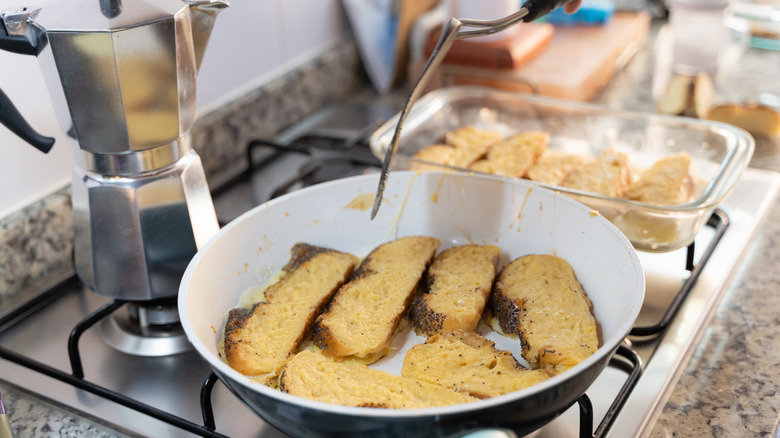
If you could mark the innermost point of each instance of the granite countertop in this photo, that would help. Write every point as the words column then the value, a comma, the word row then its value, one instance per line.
column 730, row 385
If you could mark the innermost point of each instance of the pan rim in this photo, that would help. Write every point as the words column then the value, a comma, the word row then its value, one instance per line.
column 607, row 349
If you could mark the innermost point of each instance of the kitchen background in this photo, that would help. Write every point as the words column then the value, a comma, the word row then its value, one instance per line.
column 260, row 59
column 253, row 42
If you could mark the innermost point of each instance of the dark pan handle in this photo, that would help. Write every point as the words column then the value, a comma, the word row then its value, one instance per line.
column 540, row 8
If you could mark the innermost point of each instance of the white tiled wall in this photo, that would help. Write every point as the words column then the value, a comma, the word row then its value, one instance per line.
column 252, row 42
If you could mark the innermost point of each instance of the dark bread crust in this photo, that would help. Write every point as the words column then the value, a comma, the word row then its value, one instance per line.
column 234, row 325
column 458, row 284
column 302, row 253
column 509, row 312
column 425, row 320
column 538, row 299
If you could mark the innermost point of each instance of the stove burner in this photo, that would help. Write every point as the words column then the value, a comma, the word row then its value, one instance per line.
column 146, row 329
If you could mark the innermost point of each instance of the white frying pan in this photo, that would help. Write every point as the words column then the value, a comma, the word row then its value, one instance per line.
column 455, row 208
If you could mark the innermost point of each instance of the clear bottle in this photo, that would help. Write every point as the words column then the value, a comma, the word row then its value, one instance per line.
column 691, row 51
column 700, row 35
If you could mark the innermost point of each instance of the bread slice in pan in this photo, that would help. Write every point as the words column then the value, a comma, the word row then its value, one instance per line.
column 514, row 156
column 607, row 175
column 459, row 282
column 468, row 362
column 315, row 377
column 364, row 313
column 259, row 340
column 539, row 299
column 553, row 167
column 668, row 182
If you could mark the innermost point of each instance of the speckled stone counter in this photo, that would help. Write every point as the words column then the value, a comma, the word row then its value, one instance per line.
column 33, row 417
column 729, row 388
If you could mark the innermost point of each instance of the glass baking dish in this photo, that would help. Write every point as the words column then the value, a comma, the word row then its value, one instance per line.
column 719, row 152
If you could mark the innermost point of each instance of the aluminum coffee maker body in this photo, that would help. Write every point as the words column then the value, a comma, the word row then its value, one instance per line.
column 122, row 77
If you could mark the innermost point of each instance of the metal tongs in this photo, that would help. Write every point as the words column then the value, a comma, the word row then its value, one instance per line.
column 531, row 10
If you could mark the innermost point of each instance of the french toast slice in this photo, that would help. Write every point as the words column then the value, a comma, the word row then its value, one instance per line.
column 607, row 175
column 553, row 167
column 315, row 377
column 470, row 144
column 461, row 148
column 539, row 299
column 361, row 318
column 515, row 155
column 436, row 153
column 468, row 362
column 259, row 340
column 459, row 282
column 668, row 182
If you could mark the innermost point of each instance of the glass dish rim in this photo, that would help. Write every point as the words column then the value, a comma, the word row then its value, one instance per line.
column 718, row 187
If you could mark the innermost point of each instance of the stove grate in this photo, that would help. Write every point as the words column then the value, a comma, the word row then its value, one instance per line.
column 720, row 222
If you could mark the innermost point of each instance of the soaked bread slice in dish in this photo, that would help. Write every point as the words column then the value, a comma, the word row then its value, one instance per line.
column 436, row 153
column 459, row 282
column 607, row 175
column 259, row 340
column 553, row 167
column 668, row 182
column 461, row 148
column 470, row 144
column 364, row 313
column 539, row 299
column 468, row 362
column 316, row 377
column 514, row 156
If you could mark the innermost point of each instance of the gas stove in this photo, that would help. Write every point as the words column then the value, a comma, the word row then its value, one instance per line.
column 127, row 365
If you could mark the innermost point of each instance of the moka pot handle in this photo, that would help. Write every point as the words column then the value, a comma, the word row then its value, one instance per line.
column 9, row 115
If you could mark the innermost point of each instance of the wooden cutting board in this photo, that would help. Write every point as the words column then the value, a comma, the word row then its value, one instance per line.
column 578, row 62
column 517, row 46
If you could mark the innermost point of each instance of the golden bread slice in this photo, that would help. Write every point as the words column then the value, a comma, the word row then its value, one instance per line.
column 608, row 175
column 459, row 282
column 485, row 166
column 539, row 299
column 435, row 153
column 515, row 155
column 468, row 362
column 470, row 144
column 364, row 313
column 259, row 340
column 315, row 377
column 553, row 167
column 757, row 119
column 668, row 182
